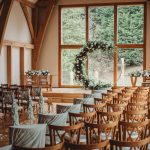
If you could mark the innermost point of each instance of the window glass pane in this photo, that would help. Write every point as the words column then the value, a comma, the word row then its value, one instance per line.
column 67, row 60
column 100, row 66
column 73, row 26
column 101, row 24
column 130, row 24
column 129, row 60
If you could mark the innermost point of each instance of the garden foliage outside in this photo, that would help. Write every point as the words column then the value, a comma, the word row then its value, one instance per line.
column 101, row 28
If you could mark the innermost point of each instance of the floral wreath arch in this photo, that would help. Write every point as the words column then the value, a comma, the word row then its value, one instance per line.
column 79, row 64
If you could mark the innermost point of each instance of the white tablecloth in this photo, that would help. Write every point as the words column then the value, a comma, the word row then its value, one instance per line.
column 6, row 147
column 53, row 119
column 32, row 136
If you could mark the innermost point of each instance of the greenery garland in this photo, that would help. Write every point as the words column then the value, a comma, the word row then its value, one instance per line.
column 80, row 61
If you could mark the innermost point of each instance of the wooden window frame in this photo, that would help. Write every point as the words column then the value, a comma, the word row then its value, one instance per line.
column 86, row 6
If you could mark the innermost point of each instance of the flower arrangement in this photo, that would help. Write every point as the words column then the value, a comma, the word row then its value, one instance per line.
column 100, row 85
column 79, row 64
column 37, row 72
column 139, row 73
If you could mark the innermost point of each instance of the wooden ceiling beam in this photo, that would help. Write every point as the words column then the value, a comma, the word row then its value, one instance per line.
column 28, row 19
column 1, row 4
column 27, row 3
column 4, row 18
column 41, row 33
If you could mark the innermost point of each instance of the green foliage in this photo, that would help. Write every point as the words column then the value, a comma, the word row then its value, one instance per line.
column 101, row 28
column 132, row 57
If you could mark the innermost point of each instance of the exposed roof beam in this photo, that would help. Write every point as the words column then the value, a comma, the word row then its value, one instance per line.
column 41, row 33
column 27, row 3
column 4, row 18
column 28, row 19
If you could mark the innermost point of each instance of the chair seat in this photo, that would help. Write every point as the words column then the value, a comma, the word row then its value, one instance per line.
column 82, row 138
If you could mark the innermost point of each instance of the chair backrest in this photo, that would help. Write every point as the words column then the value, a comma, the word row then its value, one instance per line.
column 139, row 99
column 129, row 131
column 120, row 145
column 91, row 108
column 54, row 147
column 100, row 146
column 14, row 88
column 135, row 116
column 8, row 97
column 24, row 94
column 107, row 117
column 36, row 91
column 72, row 131
column 120, row 100
column 75, row 118
column 137, row 106
column 102, row 100
column 101, row 132
column 68, row 108
column 4, row 85
column 116, row 107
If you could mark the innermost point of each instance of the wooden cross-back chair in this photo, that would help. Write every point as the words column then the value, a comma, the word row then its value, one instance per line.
column 108, row 117
column 138, row 145
column 82, row 117
column 36, row 93
column 139, row 99
column 14, row 88
column 120, row 100
column 54, row 147
column 4, row 85
column 24, row 94
column 135, row 116
column 96, row 133
column 140, row 95
column 131, row 88
column 8, row 97
column 109, row 95
column 75, row 118
column 143, row 88
column 100, row 146
column 116, row 107
column 137, row 106
column 3, row 89
column 70, row 134
column 129, row 131
column 102, row 100
column 91, row 108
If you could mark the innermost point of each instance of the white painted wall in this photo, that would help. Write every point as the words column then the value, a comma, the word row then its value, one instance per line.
column 27, row 60
column 16, row 30
column 15, row 64
column 49, row 52
column 3, row 65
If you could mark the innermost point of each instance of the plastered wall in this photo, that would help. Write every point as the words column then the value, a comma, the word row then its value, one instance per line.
column 16, row 30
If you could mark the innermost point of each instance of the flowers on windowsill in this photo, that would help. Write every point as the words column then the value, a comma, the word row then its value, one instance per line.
column 141, row 73
column 37, row 72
